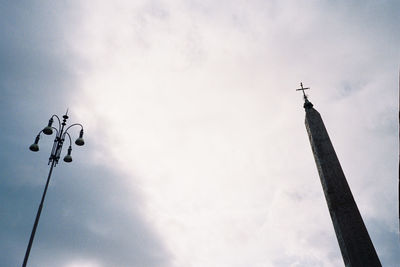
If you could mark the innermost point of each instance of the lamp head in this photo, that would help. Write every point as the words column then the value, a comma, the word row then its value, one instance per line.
column 80, row 141
column 68, row 157
column 35, row 147
column 48, row 130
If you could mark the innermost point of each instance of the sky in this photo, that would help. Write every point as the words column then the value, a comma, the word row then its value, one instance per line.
column 196, row 153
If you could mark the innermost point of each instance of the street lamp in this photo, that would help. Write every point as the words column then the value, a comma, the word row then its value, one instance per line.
column 53, row 160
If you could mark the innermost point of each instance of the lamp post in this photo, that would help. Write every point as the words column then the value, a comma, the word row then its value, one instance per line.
column 53, row 160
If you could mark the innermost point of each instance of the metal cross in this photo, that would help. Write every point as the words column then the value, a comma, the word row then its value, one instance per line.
column 302, row 89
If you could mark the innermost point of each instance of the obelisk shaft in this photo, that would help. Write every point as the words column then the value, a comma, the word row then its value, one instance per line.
column 352, row 235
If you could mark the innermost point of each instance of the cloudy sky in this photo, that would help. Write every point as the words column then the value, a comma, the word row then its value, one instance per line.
column 196, row 151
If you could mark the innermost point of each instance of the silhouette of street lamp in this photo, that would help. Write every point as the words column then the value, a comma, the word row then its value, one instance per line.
column 53, row 160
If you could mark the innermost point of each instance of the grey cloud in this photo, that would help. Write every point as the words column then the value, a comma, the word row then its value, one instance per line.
column 37, row 79
column 341, row 49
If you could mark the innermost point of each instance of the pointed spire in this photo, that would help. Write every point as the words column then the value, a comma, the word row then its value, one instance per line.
column 66, row 114
column 307, row 104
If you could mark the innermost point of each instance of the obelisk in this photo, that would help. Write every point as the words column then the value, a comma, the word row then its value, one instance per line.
column 352, row 235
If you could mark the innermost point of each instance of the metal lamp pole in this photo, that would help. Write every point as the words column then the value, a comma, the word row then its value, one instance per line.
column 53, row 160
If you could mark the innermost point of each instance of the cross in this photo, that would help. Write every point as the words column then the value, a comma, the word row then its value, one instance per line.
column 302, row 89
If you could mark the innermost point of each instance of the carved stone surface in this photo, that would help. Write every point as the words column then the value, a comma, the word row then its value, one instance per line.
column 354, row 241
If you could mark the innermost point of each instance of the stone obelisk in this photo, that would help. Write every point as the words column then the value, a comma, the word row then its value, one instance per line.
column 352, row 235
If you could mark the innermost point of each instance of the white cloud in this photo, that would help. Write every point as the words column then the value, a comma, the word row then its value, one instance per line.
column 196, row 102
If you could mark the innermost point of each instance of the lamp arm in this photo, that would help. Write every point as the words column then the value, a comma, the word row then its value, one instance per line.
column 58, row 119
column 55, row 129
column 74, row 125
column 40, row 132
column 69, row 137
